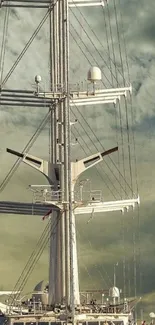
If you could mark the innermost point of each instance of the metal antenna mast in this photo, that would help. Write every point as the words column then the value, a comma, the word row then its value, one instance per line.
column 59, row 274
column 61, row 173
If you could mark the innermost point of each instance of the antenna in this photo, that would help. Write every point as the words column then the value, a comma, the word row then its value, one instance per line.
column 94, row 75
column 37, row 81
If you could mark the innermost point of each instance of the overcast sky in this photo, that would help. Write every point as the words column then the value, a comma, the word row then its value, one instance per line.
column 18, row 124
column 137, row 18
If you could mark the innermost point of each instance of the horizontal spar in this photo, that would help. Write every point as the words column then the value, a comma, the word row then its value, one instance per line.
column 24, row 6
column 20, row 91
column 21, row 155
column 8, row 207
column 32, row 1
column 25, row 100
column 26, row 104
column 22, row 96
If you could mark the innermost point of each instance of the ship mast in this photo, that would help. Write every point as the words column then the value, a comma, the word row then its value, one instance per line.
column 61, row 173
column 59, row 273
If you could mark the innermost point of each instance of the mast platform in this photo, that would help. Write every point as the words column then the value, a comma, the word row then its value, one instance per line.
column 84, row 202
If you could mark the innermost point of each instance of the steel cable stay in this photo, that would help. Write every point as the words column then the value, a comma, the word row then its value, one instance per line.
column 124, row 257
column 128, row 233
column 99, row 272
column 117, row 84
column 28, row 264
column 108, row 277
column 125, row 269
column 4, row 40
column 45, row 240
column 110, row 282
column 129, row 156
column 25, row 48
column 93, row 46
column 119, row 106
column 80, row 46
column 134, row 256
column 134, row 153
column 122, row 143
column 126, row 107
column 95, row 265
column 125, row 226
column 108, row 46
column 78, row 232
column 96, row 167
column 111, row 60
column 88, row 52
column 112, row 42
column 104, row 150
column 89, row 62
column 0, row 188
column 129, row 151
column 89, row 126
column 25, row 150
column 84, row 264
column 117, row 141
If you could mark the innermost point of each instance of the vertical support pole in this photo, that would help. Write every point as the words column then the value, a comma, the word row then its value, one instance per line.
column 63, row 274
column 54, row 260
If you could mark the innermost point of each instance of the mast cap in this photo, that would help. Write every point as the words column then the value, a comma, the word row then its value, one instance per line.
column 94, row 74
column 37, row 79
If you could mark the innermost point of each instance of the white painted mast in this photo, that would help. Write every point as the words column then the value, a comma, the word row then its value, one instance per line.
column 60, row 171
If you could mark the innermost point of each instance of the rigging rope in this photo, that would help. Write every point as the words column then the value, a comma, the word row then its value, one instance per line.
column 119, row 106
column 28, row 264
column 85, row 20
column 89, row 126
column 134, row 152
column 87, row 51
column 47, row 233
column 25, row 150
column 126, row 106
column 4, row 40
column 129, row 153
column 125, row 262
column 135, row 165
column 25, row 49
column 96, row 166
column 102, row 148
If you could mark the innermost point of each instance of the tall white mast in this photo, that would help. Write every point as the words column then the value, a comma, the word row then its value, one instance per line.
column 62, row 174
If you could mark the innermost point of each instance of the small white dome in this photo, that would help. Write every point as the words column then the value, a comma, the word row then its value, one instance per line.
column 37, row 79
column 94, row 74
column 114, row 292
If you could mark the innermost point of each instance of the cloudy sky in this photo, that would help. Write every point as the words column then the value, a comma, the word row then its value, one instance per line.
column 137, row 25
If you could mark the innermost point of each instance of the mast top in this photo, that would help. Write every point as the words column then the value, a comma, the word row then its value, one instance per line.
column 94, row 74
column 37, row 79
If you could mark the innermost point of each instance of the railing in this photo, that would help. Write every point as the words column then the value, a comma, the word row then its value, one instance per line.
column 45, row 194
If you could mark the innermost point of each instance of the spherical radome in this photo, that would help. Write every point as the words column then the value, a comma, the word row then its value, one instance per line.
column 114, row 292
column 94, row 74
column 37, row 79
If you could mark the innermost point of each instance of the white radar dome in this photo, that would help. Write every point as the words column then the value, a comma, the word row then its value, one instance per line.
column 152, row 315
column 114, row 292
column 94, row 74
column 37, row 79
